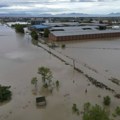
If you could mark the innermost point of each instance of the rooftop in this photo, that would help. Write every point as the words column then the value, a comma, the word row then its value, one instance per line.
column 80, row 30
column 39, row 26
column 40, row 99
column 62, row 24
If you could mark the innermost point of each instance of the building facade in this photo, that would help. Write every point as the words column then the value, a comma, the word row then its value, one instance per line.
column 82, row 33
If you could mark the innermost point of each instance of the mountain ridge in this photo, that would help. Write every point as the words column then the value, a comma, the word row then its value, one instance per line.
column 60, row 15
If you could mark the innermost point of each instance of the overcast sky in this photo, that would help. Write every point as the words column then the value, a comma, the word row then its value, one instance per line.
column 59, row 6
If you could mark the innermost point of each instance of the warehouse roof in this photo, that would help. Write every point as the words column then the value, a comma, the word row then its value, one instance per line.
column 84, row 30
column 62, row 24
column 74, row 28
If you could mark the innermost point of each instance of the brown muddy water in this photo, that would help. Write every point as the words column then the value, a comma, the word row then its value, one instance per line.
column 19, row 61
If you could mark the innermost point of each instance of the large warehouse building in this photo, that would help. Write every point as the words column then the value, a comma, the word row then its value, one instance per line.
column 81, row 33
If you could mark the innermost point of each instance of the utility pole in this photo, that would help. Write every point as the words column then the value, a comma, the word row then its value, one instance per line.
column 73, row 63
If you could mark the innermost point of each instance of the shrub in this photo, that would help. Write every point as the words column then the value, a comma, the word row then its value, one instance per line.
column 107, row 100
column 114, row 115
column 95, row 113
column 75, row 109
column 117, row 110
column 63, row 46
column 87, row 106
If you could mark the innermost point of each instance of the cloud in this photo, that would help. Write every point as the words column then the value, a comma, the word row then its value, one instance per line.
column 60, row 6
column 3, row 5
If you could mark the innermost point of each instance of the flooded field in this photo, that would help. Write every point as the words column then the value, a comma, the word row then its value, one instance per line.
column 19, row 61
column 103, row 55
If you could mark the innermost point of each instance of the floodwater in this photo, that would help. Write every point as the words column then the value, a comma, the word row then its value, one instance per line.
column 100, row 56
column 19, row 61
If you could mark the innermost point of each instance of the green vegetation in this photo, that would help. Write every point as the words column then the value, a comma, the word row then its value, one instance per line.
column 34, row 35
column 46, row 33
column 87, row 107
column 107, row 100
column 117, row 110
column 46, row 76
column 75, row 109
column 63, row 46
column 94, row 113
column 34, row 82
column 5, row 93
column 114, row 115
column 47, row 80
column 19, row 28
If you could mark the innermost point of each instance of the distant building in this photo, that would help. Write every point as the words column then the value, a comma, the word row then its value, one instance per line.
column 37, row 21
column 39, row 27
column 61, row 24
column 116, row 27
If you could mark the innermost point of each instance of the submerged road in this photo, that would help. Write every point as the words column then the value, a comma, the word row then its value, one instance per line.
column 84, row 68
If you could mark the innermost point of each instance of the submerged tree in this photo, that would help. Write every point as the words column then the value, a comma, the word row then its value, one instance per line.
column 87, row 107
column 34, row 82
column 75, row 109
column 117, row 110
column 46, row 76
column 95, row 113
column 5, row 93
column 107, row 100
column 63, row 46
column 19, row 28
column 46, row 32
column 34, row 35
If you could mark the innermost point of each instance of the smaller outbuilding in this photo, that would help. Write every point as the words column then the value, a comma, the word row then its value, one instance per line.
column 39, row 27
column 41, row 101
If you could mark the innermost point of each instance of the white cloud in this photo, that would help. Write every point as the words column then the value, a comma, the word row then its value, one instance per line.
column 60, row 6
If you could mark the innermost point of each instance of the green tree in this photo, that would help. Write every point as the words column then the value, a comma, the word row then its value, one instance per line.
column 46, row 32
column 5, row 93
column 34, row 82
column 95, row 113
column 19, row 28
column 46, row 75
column 106, row 100
column 34, row 35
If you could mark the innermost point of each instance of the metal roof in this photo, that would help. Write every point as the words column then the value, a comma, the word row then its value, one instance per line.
column 62, row 24
column 70, row 31
column 74, row 28
column 40, row 99
column 39, row 26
